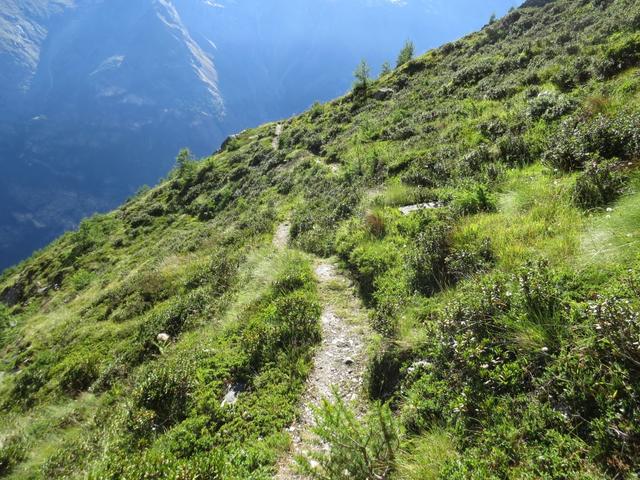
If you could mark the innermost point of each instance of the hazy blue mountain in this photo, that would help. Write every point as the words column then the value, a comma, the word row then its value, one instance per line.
column 97, row 96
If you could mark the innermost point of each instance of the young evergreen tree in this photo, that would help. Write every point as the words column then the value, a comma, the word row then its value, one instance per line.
column 362, row 77
column 406, row 53
column 185, row 162
column 386, row 68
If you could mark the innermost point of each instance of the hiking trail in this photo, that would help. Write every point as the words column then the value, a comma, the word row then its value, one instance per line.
column 339, row 360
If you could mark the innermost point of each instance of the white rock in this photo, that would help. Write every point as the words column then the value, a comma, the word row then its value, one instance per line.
column 419, row 206
column 163, row 337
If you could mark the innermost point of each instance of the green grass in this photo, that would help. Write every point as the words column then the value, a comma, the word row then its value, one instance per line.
column 424, row 458
column 612, row 236
column 505, row 318
column 535, row 219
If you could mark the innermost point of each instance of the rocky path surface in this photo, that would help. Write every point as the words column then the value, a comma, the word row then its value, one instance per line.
column 281, row 237
column 275, row 143
column 339, row 362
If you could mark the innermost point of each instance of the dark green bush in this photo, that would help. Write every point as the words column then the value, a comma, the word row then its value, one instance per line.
column 472, row 201
column 369, row 262
column 79, row 372
column 622, row 51
column 477, row 158
column 529, row 440
column 294, row 276
column 603, row 369
column 475, row 256
column 385, row 371
column 170, row 318
column 13, row 450
column 428, row 171
column 428, row 259
column 513, row 150
column 327, row 202
column 286, row 321
column 599, row 184
column 218, row 274
column 549, row 106
column 296, row 316
column 163, row 391
column 391, row 292
column 472, row 74
column 577, row 139
column 32, row 378
column 6, row 324
column 66, row 459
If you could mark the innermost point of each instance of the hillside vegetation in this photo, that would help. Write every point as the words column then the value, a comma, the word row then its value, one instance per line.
column 506, row 305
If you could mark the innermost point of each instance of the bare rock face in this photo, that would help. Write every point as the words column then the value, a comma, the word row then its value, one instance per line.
column 12, row 295
column 383, row 93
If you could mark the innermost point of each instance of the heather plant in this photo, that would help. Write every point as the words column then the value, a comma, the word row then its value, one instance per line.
column 599, row 184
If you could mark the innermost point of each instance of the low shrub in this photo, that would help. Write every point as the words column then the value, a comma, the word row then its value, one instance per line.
column 79, row 371
column 473, row 200
column 12, row 452
column 170, row 317
column 391, row 291
column 477, row 158
column 427, row 258
column 81, row 279
column 427, row 172
column 161, row 395
column 326, row 204
column 6, row 324
column 369, row 261
column 622, row 52
column 599, row 184
column 384, row 373
column 297, row 317
column 527, row 440
column 513, row 150
column 353, row 448
column 32, row 379
column 548, row 105
column 579, row 138
column 295, row 275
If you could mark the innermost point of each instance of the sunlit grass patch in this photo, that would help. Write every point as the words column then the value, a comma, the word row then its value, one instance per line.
column 613, row 236
column 398, row 194
column 535, row 218
column 424, row 457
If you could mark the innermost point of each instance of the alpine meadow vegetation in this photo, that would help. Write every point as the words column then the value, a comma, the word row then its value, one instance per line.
column 485, row 199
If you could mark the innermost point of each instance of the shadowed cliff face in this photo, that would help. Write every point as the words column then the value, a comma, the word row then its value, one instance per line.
column 104, row 94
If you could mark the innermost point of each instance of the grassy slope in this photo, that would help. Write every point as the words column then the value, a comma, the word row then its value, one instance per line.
column 509, row 343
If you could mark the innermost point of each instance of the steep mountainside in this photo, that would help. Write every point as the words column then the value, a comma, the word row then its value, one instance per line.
column 97, row 97
column 485, row 200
